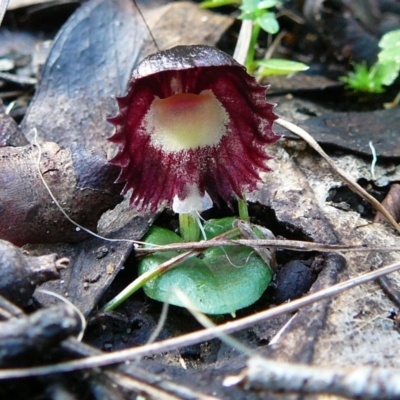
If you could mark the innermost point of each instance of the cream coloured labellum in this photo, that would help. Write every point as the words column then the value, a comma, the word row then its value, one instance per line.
column 192, row 129
column 186, row 121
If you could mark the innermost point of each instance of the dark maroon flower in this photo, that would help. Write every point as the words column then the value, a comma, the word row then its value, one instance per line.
column 192, row 127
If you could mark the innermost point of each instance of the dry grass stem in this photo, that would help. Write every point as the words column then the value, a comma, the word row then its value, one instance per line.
column 296, row 245
column 352, row 184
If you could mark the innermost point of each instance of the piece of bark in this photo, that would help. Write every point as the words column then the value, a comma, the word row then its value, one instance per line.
column 21, row 273
column 357, row 329
column 26, row 338
column 81, row 182
column 392, row 203
column 287, row 192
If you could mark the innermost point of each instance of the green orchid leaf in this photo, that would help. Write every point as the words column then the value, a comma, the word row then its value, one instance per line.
column 278, row 66
column 224, row 280
column 160, row 236
column 268, row 22
column 215, row 227
column 220, row 281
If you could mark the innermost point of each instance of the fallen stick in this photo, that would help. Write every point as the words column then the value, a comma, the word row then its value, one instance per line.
column 82, row 182
column 28, row 336
column 366, row 382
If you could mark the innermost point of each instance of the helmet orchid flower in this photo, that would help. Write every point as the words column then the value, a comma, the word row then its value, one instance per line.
column 191, row 130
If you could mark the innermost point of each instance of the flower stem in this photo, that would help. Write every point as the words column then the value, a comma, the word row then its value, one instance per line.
column 243, row 210
column 252, row 48
column 189, row 228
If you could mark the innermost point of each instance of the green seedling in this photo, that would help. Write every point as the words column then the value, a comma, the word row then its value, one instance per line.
column 263, row 19
column 383, row 73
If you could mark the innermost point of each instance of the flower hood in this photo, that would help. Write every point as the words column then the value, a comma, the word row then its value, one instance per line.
column 192, row 129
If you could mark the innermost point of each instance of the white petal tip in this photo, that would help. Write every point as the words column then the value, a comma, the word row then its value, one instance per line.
column 193, row 203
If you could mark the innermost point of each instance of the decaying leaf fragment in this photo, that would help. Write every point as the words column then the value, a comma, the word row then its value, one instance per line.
column 81, row 182
column 391, row 203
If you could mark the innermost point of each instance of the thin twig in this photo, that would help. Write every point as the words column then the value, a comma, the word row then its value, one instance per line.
column 352, row 184
column 198, row 336
column 20, row 80
column 296, row 245
column 9, row 310
column 366, row 382
column 274, row 45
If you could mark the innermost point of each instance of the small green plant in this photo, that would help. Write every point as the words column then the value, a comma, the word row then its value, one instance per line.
column 383, row 73
column 259, row 12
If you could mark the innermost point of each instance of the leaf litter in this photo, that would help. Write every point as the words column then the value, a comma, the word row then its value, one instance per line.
column 341, row 331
